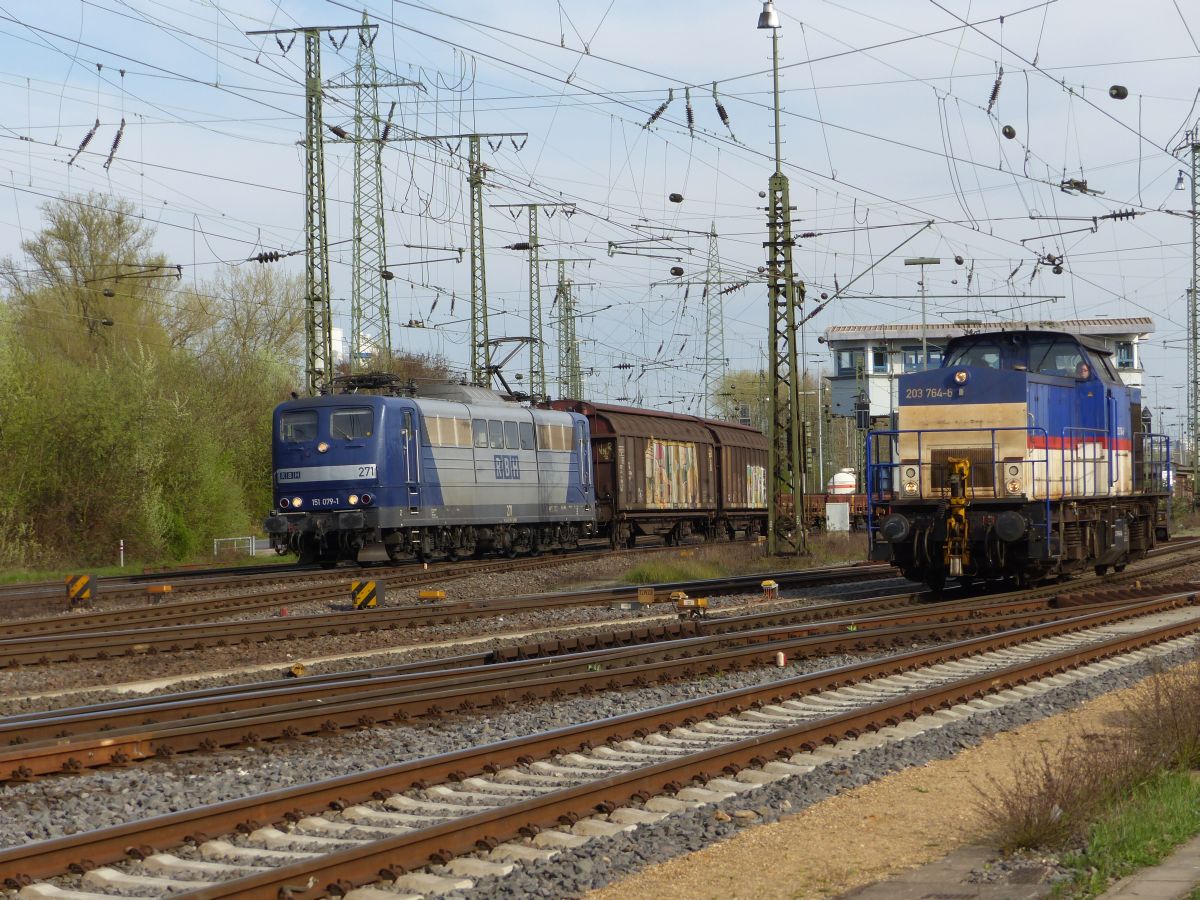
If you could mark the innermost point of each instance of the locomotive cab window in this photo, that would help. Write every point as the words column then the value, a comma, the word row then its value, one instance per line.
column 983, row 354
column 480, row 430
column 527, row 436
column 351, row 424
column 510, row 435
column 298, row 426
column 1060, row 357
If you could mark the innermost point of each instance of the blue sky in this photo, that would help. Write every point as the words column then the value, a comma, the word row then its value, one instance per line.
column 886, row 127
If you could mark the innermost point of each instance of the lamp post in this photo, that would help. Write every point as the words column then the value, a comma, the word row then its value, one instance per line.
column 923, row 261
column 785, row 454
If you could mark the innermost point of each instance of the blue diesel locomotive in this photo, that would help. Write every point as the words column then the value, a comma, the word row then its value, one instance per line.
column 456, row 472
column 1023, row 456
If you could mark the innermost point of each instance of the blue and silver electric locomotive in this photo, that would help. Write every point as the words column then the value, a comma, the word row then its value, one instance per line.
column 456, row 474
column 1023, row 456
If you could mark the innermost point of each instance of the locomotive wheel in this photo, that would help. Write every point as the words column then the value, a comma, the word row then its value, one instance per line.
column 1120, row 567
column 1101, row 570
column 308, row 551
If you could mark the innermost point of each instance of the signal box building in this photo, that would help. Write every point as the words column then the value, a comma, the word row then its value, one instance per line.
column 868, row 360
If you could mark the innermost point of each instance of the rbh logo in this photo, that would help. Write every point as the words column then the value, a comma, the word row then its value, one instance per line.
column 508, row 468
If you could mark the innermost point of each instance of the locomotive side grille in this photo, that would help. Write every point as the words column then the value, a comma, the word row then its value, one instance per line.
column 983, row 467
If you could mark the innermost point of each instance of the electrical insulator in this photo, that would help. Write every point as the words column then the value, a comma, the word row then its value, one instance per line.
column 339, row 131
column 677, row 271
column 1009, row 132
column 268, row 256
column 1118, row 92
column 691, row 116
column 995, row 89
column 675, row 198
column 661, row 109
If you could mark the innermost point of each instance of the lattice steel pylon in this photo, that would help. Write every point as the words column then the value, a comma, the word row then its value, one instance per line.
column 570, row 371
column 318, row 320
column 714, row 327
column 537, row 346
column 785, row 455
column 370, row 317
column 479, row 312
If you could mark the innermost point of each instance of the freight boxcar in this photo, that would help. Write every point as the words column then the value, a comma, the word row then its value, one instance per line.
column 672, row 475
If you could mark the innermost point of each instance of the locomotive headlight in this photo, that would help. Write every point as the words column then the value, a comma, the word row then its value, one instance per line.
column 910, row 487
column 322, row 447
column 353, row 499
column 1014, row 486
column 296, row 501
column 961, row 376
column 910, row 472
column 1014, row 470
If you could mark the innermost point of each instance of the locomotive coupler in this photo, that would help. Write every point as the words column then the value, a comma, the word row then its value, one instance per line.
column 957, row 548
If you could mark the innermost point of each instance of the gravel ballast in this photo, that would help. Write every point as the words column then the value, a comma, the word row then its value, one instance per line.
column 52, row 807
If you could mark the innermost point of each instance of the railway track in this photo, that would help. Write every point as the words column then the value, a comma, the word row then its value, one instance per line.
column 431, row 824
column 127, row 731
column 187, row 625
column 19, row 598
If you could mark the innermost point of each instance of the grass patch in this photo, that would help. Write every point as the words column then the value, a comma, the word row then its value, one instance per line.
column 136, row 567
column 658, row 571
column 1126, row 796
column 1142, row 830
column 702, row 561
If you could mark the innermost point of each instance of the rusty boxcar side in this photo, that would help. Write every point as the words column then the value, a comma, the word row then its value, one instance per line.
column 673, row 475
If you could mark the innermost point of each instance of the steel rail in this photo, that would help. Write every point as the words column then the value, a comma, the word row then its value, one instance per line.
column 51, row 748
column 139, row 839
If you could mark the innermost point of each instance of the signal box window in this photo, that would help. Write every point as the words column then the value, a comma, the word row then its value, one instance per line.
column 298, row 427
column 849, row 362
column 480, row 430
column 351, row 424
column 510, row 435
column 879, row 361
column 496, row 434
column 1124, row 354
column 527, row 436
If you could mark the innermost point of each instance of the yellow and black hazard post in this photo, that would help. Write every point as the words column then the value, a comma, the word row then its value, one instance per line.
column 363, row 594
column 79, row 590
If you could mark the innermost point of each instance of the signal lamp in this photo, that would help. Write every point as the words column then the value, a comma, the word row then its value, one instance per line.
column 322, row 447
column 961, row 376
column 354, row 499
column 366, row 499
column 283, row 502
column 296, row 501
